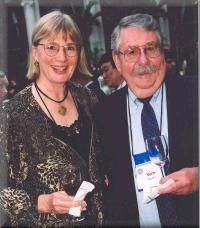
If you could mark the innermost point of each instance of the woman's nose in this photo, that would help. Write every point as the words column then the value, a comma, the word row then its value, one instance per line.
column 61, row 55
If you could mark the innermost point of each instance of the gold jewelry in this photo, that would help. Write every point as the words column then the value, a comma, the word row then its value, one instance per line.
column 36, row 63
column 61, row 109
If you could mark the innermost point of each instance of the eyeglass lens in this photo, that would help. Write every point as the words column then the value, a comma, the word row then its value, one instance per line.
column 151, row 50
column 52, row 49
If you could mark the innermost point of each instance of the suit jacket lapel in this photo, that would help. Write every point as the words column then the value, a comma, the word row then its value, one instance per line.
column 124, row 147
column 123, row 153
column 171, row 110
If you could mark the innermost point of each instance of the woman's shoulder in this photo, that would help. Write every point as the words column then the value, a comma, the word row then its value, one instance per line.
column 19, row 101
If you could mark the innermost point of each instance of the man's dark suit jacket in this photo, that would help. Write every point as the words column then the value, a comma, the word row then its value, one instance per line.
column 111, row 117
column 95, row 87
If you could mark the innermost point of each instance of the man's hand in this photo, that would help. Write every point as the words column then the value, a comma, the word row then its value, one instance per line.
column 186, row 182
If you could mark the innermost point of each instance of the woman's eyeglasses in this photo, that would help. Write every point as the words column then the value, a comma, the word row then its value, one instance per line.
column 52, row 49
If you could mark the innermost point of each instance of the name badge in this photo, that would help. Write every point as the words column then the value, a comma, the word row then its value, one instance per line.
column 147, row 173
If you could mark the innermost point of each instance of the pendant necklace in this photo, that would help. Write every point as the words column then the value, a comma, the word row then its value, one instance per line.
column 61, row 109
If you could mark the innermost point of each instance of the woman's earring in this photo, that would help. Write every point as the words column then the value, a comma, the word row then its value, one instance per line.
column 36, row 63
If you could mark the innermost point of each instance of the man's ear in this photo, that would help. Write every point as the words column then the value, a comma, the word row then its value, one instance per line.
column 116, row 61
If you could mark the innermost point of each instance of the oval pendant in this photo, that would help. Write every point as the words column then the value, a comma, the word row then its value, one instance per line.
column 62, row 110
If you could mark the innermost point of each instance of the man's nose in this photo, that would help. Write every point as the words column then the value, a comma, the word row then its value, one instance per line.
column 104, row 74
column 143, row 59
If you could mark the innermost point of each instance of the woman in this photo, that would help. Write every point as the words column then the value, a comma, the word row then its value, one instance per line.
column 49, row 128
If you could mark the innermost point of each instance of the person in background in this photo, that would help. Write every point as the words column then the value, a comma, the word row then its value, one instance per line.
column 110, row 80
column 12, row 88
column 170, row 60
column 111, row 76
column 3, row 86
column 170, row 104
column 48, row 128
column 3, row 180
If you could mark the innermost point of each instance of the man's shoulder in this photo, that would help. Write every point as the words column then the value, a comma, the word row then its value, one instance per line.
column 176, row 79
column 111, row 104
column 114, row 98
column 94, row 86
column 182, row 92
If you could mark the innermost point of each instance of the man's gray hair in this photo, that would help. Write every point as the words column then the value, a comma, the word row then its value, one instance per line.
column 144, row 21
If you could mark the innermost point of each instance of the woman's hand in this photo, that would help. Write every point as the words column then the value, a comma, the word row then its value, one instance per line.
column 186, row 182
column 58, row 203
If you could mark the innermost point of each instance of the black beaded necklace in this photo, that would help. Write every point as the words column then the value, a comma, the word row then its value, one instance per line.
column 61, row 109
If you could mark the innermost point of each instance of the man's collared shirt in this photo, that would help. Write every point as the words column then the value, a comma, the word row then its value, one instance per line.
column 148, row 213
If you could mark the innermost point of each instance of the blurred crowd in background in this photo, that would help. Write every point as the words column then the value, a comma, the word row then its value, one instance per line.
column 181, row 48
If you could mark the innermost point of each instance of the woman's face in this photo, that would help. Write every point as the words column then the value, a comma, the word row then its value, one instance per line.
column 56, row 66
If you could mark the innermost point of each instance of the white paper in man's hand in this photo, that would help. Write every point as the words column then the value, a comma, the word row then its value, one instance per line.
column 150, row 193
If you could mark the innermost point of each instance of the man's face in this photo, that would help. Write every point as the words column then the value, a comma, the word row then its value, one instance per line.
column 143, row 83
column 111, row 75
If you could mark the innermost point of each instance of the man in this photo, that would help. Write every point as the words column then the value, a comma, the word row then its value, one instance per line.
column 110, row 80
column 111, row 76
column 137, row 52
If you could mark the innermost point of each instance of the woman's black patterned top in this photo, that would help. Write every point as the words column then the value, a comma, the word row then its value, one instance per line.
column 37, row 155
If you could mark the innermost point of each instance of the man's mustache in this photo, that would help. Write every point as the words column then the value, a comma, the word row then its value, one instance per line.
column 145, row 69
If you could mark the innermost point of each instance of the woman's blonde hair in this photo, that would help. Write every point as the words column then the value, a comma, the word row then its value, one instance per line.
column 48, row 26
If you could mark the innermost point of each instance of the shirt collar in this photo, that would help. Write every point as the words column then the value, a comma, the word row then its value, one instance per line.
column 155, row 98
column 121, row 85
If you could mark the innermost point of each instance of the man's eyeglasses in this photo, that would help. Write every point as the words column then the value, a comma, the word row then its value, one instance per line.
column 151, row 50
column 52, row 49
